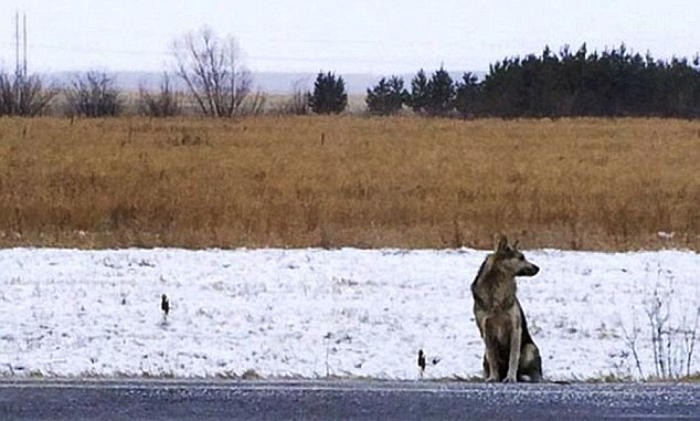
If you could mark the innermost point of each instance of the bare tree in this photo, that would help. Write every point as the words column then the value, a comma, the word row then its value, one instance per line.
column 298, row 103
column 165, row 103
column 254, row 104
column 93, row 95
column 211, row 68
column 23, row 95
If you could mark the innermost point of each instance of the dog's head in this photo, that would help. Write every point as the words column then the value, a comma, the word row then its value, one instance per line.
column 510, row 259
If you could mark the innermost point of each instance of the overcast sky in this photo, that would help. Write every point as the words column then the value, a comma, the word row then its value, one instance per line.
column 358, row 36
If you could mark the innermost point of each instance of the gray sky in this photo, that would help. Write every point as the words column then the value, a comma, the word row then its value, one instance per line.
column 360, row 36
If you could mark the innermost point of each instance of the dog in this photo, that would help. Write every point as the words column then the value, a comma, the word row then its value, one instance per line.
column 511, row 354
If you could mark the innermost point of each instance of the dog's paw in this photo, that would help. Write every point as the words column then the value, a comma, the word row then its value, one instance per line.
column 491, row 380
column 510, row 379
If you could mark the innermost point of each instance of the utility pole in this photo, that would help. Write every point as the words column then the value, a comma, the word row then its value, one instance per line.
column 16, row 43
column 18, row 75
column 24, row 39
column 20, row 58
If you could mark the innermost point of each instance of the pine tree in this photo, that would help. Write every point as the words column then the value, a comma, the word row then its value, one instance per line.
column 419, row 93
column 467, row 95
column 441, row 94
column 329, row 96
column 387, row 97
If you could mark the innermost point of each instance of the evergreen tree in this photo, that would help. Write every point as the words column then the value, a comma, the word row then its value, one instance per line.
column 329, row 96
column 615, row 82
column 387, row 97
column 467, row 95
column 419, row 93
column 441, row 94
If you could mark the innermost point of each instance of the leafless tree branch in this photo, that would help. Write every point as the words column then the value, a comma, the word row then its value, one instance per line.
column 212, row 70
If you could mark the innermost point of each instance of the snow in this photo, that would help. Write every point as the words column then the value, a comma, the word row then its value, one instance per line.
column 316, row 313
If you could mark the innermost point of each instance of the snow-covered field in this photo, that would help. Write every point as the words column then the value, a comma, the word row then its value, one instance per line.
column 313, row 313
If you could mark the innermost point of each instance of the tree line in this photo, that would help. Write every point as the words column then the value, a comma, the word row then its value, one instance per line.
column 615, row 82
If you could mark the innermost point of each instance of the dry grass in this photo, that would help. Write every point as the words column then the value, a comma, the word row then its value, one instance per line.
column 341, row 181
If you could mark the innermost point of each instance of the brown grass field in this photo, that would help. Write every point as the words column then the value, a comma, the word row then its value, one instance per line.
column 599, row 184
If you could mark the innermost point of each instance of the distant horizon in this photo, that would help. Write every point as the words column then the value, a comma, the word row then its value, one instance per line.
column 286, row 81
column 268, row 82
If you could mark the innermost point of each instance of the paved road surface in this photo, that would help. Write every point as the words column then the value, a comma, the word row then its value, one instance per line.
column 161, row 400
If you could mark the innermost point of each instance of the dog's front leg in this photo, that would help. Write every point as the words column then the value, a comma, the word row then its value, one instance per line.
column 514, row 360
column 491, row 342
column 492, row 362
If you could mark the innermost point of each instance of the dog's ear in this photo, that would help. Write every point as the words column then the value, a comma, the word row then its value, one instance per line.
column 502, row 244
column 515, row 245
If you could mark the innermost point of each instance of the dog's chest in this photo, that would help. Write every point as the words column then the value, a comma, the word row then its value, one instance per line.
column 496, row 296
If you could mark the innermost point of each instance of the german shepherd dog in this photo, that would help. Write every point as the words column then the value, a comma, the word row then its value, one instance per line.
column 511, row 355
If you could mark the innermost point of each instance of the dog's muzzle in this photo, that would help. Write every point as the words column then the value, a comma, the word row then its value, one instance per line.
column 528, row 271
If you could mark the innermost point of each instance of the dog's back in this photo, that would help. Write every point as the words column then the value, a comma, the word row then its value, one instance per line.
column 499, row 315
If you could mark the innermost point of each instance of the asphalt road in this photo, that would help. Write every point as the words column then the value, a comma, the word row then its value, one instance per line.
column 309, row 400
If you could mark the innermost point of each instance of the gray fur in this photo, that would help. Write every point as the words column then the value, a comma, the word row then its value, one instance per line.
column 500, row 317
